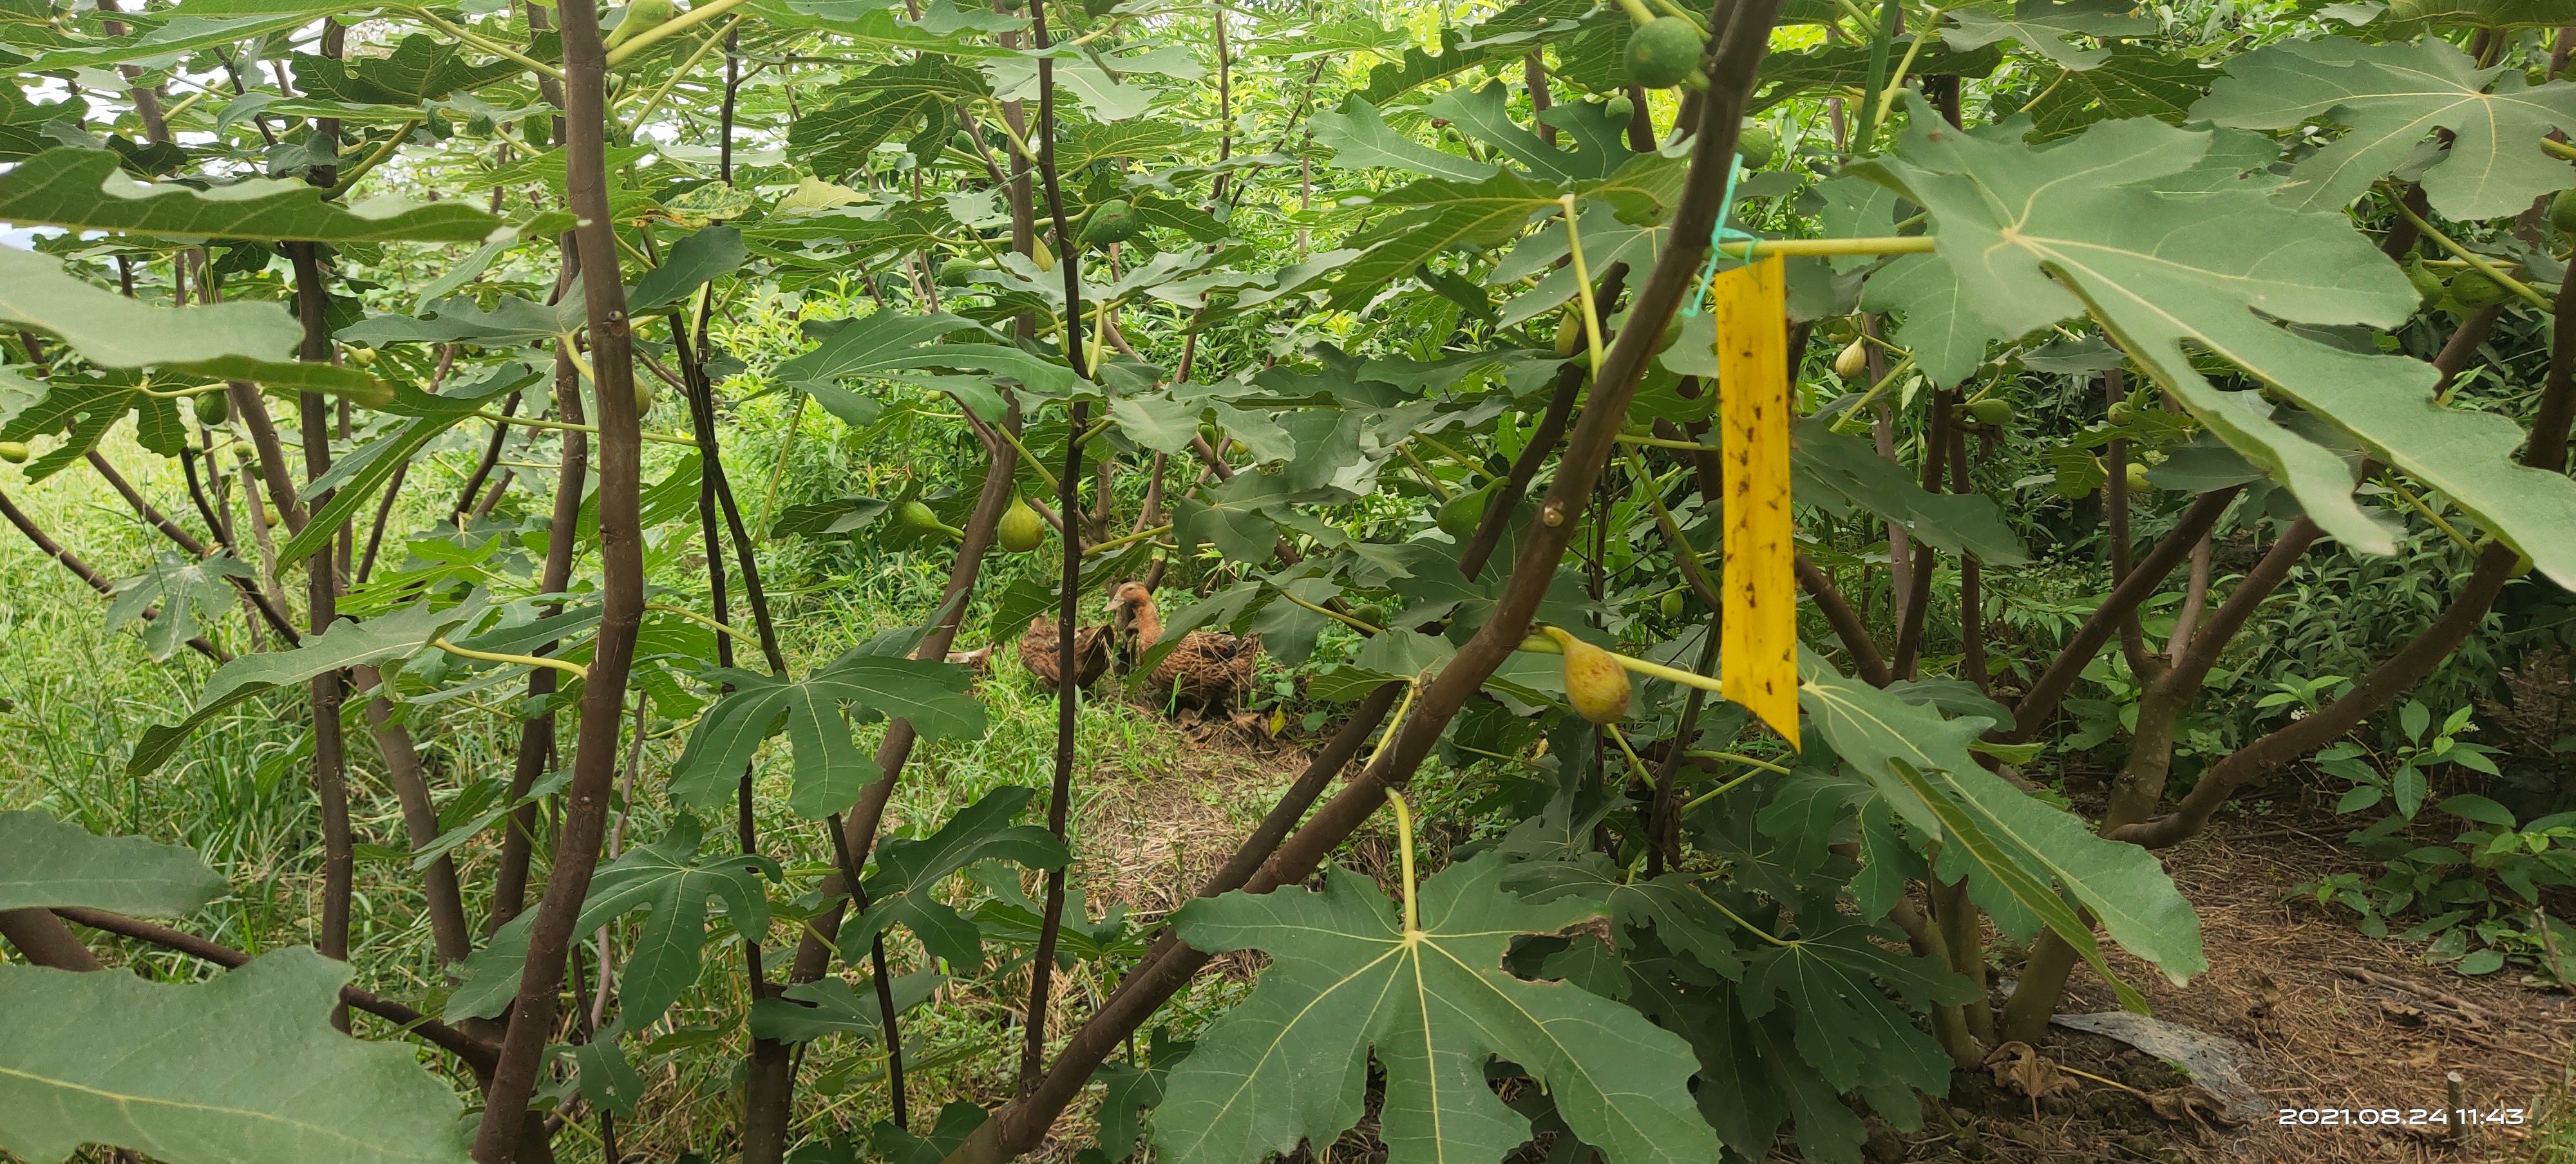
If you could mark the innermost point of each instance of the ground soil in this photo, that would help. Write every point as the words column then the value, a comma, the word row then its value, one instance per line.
column 2332, row 1020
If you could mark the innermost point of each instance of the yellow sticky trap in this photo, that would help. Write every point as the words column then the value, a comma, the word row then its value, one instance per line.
column 1759, row 641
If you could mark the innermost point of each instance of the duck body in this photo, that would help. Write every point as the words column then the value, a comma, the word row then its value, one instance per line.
column 1040, row 647
column 1206, row 672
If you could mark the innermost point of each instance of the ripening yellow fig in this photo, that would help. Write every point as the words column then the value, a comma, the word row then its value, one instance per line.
column 1040, row 254
column 362, row 357
column 1020, row 529
column 645, row 396
column 14, row 452
column 1853, row 363
column 1595, row 683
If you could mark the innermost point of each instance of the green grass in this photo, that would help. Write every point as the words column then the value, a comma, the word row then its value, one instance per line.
column 79, row 694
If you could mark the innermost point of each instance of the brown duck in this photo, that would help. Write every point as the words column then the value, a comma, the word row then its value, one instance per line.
column 1206, row 672
column 1039, row 649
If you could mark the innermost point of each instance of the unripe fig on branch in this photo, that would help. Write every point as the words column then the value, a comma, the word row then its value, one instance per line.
column 1021, row 529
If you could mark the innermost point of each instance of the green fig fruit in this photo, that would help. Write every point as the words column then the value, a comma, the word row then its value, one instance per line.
column 1041, row 254
column 958, row 272
column 1569, row 331
column 1370, row 613
column 645, row 396
column 213, row 408
column 1757, row 145
column 1021, row 529
column 2428, row 286
column 14, row 452
column 2138, row 478
column 1114, row 221
column 2120, row 412
column 1459, row 516
column 2471, row 289
column 1670, row 605
column 2562, row 211
column 1662, row 53
column 1991, row 411
column 362, row 357
column 916, row 516
column 1620, row 110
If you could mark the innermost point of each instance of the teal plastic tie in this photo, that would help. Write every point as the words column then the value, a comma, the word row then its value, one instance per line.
column 1719, row 235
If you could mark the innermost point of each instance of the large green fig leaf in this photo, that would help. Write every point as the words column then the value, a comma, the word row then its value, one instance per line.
column 421, row 68
column 871, row 108
column 242, row 1068
column 667, row 877
column 2033, row 236
column 2047, row 28
column 78, row 189
column 907, row 347
column 1752, row 1076
column 354, row 479
column 181, row 34
column 1349, row 979
column 829, row 1006
column 1437, row 214
column 1606, row 240
column 673, row 883
column 2405, row 18
column 49, row 864
column 2131, row 82
column 1672, row 906
column 113, row 331
column 174, row 587
column 1484, row 113
column 1361, row 140
column 509, row 322
column 707, row 255
column 83, row 406
column 830, row 768
column 346, row 644
column 1838, row 473
column 2391, row 97
column 1847, row 1028
column 235, row 341
column 910, row 873
column 2015, row 849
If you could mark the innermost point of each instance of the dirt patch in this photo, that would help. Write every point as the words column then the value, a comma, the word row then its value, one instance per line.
column 2331, row 1021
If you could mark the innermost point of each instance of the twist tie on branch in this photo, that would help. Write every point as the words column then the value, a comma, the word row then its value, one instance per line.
column 1720, row 234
